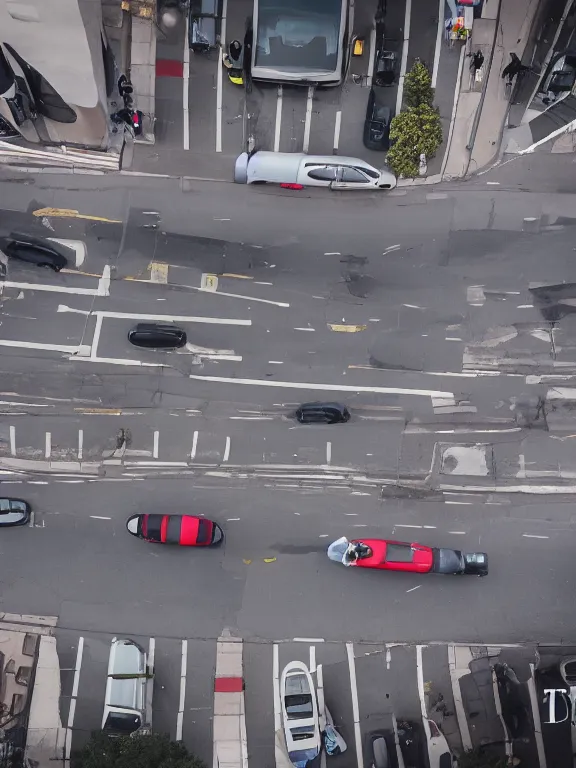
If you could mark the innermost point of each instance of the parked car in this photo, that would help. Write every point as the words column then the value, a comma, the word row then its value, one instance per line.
column 34, row 251
column 322, row 413
column 14, row 512
column 439, row 754
column 157, row 336
column 127, row 700
column 377, row 124
column 386, row 67
column 185, row 530
column 296, row 170
column 7, row 131
column 299, row 707
column 382, row 749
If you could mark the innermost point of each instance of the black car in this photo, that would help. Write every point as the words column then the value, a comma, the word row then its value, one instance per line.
column 386, row 69
column 377, row 125
column 35, row 251
column 14, row 512
column 157, row 336
column 322, row 413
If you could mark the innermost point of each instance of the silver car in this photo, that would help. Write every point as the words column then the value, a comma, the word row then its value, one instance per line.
column 127, row 704
column 297, row 170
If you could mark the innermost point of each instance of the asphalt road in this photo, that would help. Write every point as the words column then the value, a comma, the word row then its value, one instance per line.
column 419, row 309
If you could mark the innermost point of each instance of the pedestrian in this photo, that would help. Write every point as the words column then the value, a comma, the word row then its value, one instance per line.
column 513, row 68
column 477, row 61
column 235, row 51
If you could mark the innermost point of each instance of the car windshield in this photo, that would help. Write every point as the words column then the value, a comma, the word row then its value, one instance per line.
column 298, row 707
column 300, row 757
column 123, row 722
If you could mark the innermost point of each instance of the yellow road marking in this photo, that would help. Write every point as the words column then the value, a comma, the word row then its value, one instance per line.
column 246, row 562
column 346, row 328
column 269, row 559
column 238, row 277
column 158, row 272
column 69, row 213
column 77, row 272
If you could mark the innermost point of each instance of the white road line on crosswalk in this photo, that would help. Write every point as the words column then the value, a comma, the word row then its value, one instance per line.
column 48, row 446
column 371, row 57
column 278, row 123
column 53, row 288
column 36, row 345
column 180, row 719
column 276, row 687
column 226, row 450
column 100, row 517
column 536, row 718
column 186, row 84
column 219, row 76
column 322, row 387
column 32, row 520
column 156, row 446
column 96, row 337
column 399, row 755
column 328, row 453
column 421, row 694
column 13, row 441
column 355, row 704
column 308, row 119
column 194, row 445
column 312, row 665
column 104, row 282
column 80, row 444
column 72, row 710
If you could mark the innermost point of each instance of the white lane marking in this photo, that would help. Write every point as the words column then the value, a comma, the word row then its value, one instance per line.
column 35, row 345
column 355, row 704
column 250, row 418
column 180, row 718
column 278, row 119
column 404, row 59
column 421, row 694
column 53, row 288
column 104, row 282
column 312, row 666
column 413, row 588
column 13, row 441
column 389, row 250
column 232, row 519
column 536, row 718
column 372, row 56
column 525, row 306
column 100, row 517
column 308, row 640
column 151, row 655
column 186, row 85
column 326, row 387
column 458, row 533
column 534, row 536
column 328, row 452
column 407, row 525
column 116, row 361
column 308, row 119
column 437, row 48
column 276, row 687
column 72, row 709
column 495, row 183
column 226, row 450
column 48, row 445
column 175, row 318
column 304, row 329
column 32, row 520
column 194, row 446
column 64, row 308
column 219, row 75
column 77, row 246
column 462, row 503
column 96, row 337
column 80, row 444
column 336, row 142
column 275, row 362
column 330, row 253
column 453, row 338
column 244, row 298
column 156, row 445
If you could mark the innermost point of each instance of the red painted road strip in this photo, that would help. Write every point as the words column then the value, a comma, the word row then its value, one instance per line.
column 228, row 685
column 169, row 68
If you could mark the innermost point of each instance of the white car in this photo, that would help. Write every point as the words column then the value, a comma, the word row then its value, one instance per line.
column 439, row 753
column 296, row 170
column 127, row 704
column 299, row 714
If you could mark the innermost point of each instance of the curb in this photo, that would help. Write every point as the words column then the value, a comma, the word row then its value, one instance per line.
column 230, row 744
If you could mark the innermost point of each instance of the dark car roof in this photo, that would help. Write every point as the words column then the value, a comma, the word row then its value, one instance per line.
column 156, row 328
column 319, row 405
column 381, row 113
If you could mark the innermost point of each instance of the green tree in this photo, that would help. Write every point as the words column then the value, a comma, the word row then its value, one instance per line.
column 414, row 132
column 418, row 86
column 153, row 751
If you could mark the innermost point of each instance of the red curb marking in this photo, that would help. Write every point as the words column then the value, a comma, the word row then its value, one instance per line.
column 169, row 68
column 228, row 685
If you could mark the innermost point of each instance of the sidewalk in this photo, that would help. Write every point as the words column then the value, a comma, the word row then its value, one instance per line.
column 512, row 24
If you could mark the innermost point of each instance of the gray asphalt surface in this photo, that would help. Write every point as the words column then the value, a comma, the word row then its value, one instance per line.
column 437, row 285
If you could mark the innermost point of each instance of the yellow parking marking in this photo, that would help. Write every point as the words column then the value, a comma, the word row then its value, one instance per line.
column 77, row 272
column 158, row 272
column 102, row 411
column 246, row 562
column 346, row 328
column 69, row 213
column 237, row 277
column 209, row 282
column 269, row 559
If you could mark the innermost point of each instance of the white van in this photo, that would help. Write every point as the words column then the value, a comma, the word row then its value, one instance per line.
column 128, row 701
column 296, row 170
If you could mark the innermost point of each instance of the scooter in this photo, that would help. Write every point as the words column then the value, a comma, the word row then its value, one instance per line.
column 233, row 62
column 128, row 115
